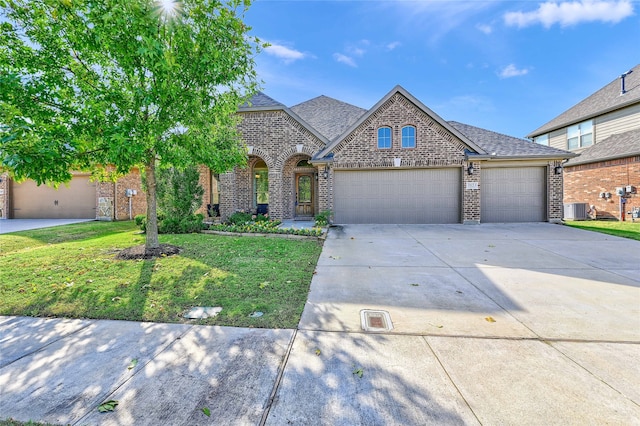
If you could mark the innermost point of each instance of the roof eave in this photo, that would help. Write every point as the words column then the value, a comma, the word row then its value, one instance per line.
column 608, row 158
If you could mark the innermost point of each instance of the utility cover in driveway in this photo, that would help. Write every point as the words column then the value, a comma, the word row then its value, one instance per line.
column 397, row 196
column 375, row 320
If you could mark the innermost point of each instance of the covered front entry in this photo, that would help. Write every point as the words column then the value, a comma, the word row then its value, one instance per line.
column 77, row 201
column 397, row 196
column 515, row 194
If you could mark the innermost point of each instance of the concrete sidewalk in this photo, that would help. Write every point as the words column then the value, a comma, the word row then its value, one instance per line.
column 492, row 324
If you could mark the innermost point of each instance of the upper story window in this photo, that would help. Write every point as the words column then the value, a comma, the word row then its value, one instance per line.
column 384, row 137
column 580, row 135
column 408, row 137
column 542, row 139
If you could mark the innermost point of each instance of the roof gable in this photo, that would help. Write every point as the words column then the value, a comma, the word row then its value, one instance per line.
column 328, row 116
column 620, row 145
column 498, row 145
column 419, row 105
column 601, row 102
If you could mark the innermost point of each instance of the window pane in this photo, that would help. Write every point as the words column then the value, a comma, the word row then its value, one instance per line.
column 572, row 143
column 262, row 186
column 587, row 140
column 573, row 131
column 304, row 189
column 384, row 137
column 409, row 137
column 542, row 139
column 586, row 127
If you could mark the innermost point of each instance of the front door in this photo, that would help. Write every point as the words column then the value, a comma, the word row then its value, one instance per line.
column 304, row 195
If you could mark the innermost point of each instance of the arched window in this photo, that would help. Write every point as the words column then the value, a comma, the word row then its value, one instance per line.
column 384, row 138
column 408, row 137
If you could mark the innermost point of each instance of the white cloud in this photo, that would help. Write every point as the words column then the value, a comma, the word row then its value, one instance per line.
column 347, row 60
column 287, row 54
column 393, row 45
column 512, row 71
column 484, row 28
column 571, row 13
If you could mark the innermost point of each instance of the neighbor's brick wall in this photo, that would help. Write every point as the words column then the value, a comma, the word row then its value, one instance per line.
column 272, row 136
column 584, row 183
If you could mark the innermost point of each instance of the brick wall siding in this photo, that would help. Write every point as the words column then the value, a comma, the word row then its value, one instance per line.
column 280, row 141
column 4, row 196
column 585, row 182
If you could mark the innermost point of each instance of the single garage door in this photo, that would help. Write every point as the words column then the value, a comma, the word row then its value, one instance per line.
column 77, row 201
column 397, row 196
column 513, row 195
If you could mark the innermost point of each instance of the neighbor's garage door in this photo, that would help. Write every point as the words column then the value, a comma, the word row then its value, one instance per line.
column 78, row 201
column 397, row 196
column 513, row 195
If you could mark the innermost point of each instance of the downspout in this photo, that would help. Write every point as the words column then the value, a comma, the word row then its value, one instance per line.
column 115, row 201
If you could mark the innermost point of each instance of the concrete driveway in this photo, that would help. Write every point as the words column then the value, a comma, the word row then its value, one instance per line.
column 15, row 225
column 491, row 324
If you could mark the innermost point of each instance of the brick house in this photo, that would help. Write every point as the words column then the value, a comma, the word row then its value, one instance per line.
column 604, row 129
column 397, row 162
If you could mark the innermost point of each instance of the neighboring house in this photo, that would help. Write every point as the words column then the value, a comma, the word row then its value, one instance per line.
column 398, row 162
column 604, row 129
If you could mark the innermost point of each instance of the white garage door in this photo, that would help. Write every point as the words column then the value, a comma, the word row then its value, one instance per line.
column 77, row 201
column 397, row 196
column 513, row 195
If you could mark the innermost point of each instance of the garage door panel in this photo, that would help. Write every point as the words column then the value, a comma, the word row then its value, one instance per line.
column 397, row 196
column 513, row 195
column 75, row 201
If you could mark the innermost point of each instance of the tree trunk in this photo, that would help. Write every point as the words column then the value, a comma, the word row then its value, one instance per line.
column 152, row 213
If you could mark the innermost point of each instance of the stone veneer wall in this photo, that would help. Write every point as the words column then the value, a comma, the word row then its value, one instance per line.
column 555, row 206
column 584, row 183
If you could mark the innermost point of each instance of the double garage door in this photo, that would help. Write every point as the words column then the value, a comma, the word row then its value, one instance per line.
column 434, row 195
column 77, row 201
column 397, row 196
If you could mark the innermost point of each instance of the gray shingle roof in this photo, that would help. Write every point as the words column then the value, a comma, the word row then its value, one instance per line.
column 260, row 100
column 620, row 145
column 604, row 100
column 328, row 116
column 501, row 146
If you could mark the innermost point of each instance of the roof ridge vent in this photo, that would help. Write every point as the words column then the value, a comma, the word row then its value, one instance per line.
column 622, row 77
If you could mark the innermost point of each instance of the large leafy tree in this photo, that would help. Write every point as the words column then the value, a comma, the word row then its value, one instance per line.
column 86, row 84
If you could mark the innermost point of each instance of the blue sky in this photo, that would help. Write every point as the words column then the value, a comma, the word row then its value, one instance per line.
column 507, row 66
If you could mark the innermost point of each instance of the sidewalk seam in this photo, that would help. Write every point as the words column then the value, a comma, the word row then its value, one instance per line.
column 451, row 379
column 276, row 384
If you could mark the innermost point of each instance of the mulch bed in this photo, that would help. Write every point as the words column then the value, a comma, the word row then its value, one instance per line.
column 141, row 252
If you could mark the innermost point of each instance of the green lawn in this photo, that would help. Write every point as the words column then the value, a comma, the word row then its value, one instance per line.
column 621, row 229
column 71, row 271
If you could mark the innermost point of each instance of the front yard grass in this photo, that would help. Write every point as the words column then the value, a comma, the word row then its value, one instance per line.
column 620, row 229
column 71, row 272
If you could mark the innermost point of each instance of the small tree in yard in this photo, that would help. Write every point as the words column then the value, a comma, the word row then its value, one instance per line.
column 89, row 83
column 179, row 196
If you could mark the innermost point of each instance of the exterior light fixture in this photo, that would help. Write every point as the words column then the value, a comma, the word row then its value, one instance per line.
column 557, row 170
column 325, row 173
column 470, row 169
